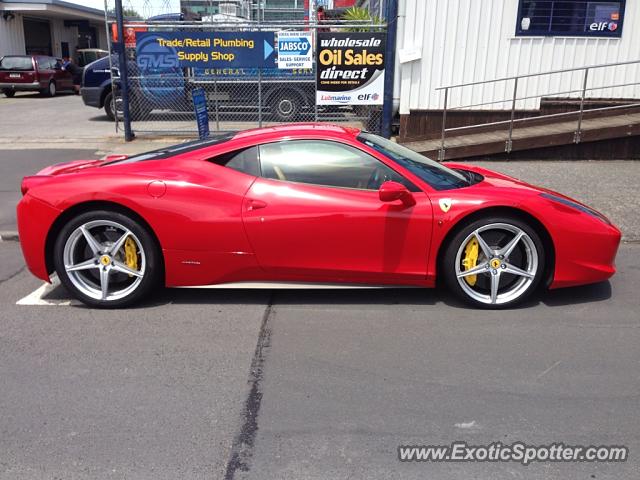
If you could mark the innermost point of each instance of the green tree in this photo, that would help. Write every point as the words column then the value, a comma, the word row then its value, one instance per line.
column 127, row 12
column 361, row 15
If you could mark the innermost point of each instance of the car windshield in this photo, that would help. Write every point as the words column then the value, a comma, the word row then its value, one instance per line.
column 434, row 173
column 175, row 149
column 16, row 63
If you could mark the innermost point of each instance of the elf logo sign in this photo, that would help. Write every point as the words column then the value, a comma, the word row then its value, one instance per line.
column 603, row 26
column 294, row 50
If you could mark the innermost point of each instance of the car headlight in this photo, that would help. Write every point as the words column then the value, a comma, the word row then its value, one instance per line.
column 575, row 205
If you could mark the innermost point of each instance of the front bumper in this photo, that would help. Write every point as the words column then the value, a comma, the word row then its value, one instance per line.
column 20, row 86
column 91, row 96
column 35, row 219
column 584, row 257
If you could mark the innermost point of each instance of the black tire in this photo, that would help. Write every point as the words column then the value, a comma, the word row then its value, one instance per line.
column 496, row 239
column 285, row 105
column 51, row 90
column 9, row 93
column 153, row 261
column 109, row 107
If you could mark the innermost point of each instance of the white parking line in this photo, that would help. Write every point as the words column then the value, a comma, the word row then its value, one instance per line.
column 37, row 296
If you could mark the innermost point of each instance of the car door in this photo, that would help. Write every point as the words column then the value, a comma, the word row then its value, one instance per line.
column 64, row 78
column 45, row 72
column 315, row 214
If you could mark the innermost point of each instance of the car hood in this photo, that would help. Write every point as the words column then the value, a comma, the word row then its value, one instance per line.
column 502, row 187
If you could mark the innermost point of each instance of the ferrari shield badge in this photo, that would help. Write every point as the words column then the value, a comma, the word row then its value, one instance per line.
column 445, row 204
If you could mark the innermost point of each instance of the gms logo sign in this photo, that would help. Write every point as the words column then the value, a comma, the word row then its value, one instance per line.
column 151, row 55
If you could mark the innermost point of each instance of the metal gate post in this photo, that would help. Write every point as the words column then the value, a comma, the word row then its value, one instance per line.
column 389, row 69
column 260, row 93
column 124, row 77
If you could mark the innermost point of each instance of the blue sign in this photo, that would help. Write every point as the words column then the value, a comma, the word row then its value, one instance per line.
column 294, row 46
column 205, row 49
column 294, row 50
column 202, row 113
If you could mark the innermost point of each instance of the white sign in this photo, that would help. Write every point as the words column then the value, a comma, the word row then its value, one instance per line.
column 295, row 50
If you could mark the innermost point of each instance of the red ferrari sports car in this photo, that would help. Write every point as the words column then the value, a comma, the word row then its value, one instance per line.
column 303, row 204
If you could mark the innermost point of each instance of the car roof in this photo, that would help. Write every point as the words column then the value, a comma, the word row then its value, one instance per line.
column 298, row 129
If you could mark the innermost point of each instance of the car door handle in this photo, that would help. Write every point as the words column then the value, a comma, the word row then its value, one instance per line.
column 255, row 204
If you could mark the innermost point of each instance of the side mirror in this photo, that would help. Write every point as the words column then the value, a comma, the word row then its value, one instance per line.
column 115, row 157
column 392, row 191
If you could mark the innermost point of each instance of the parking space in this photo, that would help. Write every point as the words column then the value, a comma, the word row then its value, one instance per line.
column 154, row 392
column 313, row 384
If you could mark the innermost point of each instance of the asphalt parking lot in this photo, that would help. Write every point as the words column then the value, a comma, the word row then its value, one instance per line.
column 313, row 384
column 290, row 384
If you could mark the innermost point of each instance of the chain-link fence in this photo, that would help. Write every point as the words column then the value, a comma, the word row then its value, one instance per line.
column 160, row 96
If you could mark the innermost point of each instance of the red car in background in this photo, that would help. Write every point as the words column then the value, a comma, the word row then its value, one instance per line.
column 304, row 204
column 39, row 73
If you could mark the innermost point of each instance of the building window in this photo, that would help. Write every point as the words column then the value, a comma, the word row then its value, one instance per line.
column 570, row 18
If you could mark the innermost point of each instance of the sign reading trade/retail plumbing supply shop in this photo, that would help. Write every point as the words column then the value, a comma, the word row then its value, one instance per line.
column 168, row 50
column 350, row 68
column 294, row 50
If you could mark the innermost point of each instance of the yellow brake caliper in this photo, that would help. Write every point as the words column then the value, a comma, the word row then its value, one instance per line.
column 131, row 254
column 470, row 259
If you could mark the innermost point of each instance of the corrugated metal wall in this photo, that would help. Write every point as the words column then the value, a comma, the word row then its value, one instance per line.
column 12, row 36
column 60, row 34
column 469, row 40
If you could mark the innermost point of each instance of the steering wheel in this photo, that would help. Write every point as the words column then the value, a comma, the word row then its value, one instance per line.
column 376, row 179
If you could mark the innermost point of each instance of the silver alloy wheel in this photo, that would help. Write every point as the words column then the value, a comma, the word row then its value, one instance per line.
column 94, row 260
column 52, row 89
column 494, row 261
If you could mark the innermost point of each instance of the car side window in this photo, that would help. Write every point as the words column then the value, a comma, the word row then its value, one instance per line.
column 245, row 161
column 326, row 163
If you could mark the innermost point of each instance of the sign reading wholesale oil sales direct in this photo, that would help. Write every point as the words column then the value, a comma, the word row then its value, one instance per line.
column 350, row 68
column 168, row 50
column 294, row 50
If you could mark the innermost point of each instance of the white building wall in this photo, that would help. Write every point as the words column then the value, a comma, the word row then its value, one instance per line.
column 464, row 41
column 12, row 36
column 102, row 35
column 60, row 34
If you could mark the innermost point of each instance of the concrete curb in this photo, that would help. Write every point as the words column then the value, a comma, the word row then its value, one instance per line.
column 9, row 237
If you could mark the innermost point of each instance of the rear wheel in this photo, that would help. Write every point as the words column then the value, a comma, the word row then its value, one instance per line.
column 113, row 104
column 9, row 93
column 285, row 105
column 494, row 262
column 106, row 259
column 50, row 91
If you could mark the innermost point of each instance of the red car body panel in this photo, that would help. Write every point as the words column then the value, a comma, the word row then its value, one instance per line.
column 217, row 225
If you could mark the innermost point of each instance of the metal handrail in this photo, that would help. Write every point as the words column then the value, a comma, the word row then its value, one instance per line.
column 514, row 99
column 529, row 97
column 560, row 114
column 537, row 74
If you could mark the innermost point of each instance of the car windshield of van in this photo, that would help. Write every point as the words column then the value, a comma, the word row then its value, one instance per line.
column 16, row 63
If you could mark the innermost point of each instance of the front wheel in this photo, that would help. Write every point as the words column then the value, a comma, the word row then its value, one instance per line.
column 113, row 106
column 494, row 262
column 106, row 259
